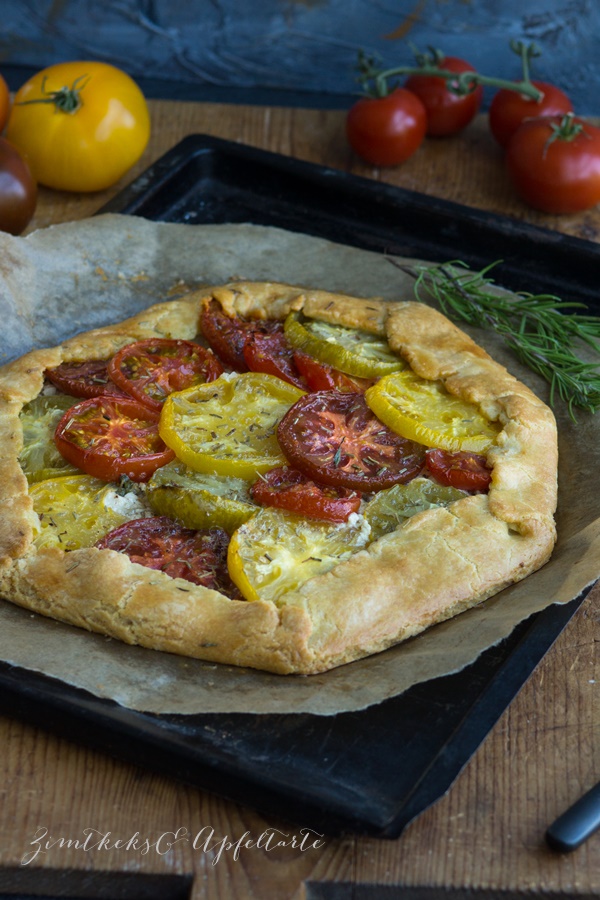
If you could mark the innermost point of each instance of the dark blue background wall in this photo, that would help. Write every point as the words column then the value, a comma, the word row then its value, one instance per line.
column 225, row 48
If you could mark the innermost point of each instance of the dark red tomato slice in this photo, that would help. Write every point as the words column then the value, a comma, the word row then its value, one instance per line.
column 335, row 439
column 463, row 470
column 227, row 336
column 85, row 379
column 160, row 543
column 321, row 377
column 108, row 437
column 151, row 370
column 272, row 354
column 287, row 488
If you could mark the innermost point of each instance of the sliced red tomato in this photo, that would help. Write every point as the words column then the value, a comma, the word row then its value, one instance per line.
column 160, row 543
column 463, row 470
column 273, row 355
column 287, row 488
column 321, row 377
column 335, row 439
column 151, row 370
column 108, row 437
column 84, row 379
column 227, row 336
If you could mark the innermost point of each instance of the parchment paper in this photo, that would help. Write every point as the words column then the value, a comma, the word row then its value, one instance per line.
column 73, row 277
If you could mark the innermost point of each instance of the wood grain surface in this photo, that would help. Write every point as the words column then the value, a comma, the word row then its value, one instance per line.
column 485, row 834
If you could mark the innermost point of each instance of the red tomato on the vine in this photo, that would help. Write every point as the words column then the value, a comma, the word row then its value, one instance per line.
column 447, row 112
column 386, row 131
column 554, row 164
column 509, row 109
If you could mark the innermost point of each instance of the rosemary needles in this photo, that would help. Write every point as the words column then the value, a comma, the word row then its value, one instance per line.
column 540, row 329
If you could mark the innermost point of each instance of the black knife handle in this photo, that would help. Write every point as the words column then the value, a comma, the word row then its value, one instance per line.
column 577, row 824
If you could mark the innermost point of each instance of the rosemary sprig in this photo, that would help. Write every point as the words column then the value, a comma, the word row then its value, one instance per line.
column 540, row 329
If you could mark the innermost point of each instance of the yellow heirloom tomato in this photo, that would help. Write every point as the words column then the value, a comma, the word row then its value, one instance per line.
column 350, row 350
column 39, row 457
column 199, row 499
column 79, row 125
column 228, row 426
column 75, row 511
column 277, row 551
column 425, row 412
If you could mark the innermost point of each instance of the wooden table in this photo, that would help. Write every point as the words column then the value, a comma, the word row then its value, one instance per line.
column 486, row 833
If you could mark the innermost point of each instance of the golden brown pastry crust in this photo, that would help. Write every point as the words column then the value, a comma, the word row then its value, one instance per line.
column 438, row 564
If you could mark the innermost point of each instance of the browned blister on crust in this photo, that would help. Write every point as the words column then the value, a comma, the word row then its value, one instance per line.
column 439, row 563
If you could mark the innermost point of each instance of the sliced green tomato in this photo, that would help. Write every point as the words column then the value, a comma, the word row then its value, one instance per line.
column 73, row 511
column 278, row 551
column 391, row 507
column 39, row 457
column 228, row 427
column 350, row 350
column 200, row 500
column 425, row 412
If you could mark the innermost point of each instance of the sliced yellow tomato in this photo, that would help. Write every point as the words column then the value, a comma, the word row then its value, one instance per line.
column 425, row 412
column 350, row 350
column 228, row 426
column 39, row 457
column 200, row 500
column 278, row 551
column 74, row 511
column 391, row 507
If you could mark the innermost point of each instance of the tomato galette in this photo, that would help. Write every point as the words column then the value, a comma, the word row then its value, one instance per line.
column 268, row 476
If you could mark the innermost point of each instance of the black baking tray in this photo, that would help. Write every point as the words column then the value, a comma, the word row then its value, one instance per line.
column 368, row 772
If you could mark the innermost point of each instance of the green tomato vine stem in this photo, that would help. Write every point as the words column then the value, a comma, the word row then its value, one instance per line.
column 566, row 130
column 375, row 81
column 66, row 99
